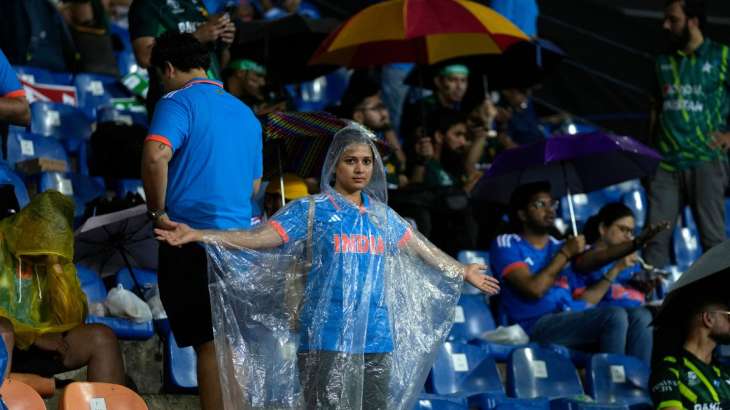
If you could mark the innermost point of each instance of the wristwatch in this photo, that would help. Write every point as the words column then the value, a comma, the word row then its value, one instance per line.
column 155, row 214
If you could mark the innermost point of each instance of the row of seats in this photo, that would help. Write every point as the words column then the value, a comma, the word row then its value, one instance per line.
column 537, row 377
column 17, row 395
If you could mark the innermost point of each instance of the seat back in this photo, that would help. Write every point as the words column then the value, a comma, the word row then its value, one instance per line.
column 686, row 244
column 464, row 368
column 97, row 90
column 180, row 366
column 19, row 396
column 121, row 117
column 538, row 372
column 81, row 395
column 584, row 206
column 59, row 120
column 59, row 181
column 91, row 284
column 41, row 75
column 636, row 201
column 612, row 378
column 471, row 319
column 26, row 145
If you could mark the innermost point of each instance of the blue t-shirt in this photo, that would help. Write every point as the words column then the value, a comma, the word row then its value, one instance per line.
column 509, row 252
column 619, row 294
column 217, row 155
column 9, row 84
column 349, row 248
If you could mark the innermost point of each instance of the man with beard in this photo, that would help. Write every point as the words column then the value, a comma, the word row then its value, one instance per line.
column 689, row 129
column 689, row 378
column 536, row 275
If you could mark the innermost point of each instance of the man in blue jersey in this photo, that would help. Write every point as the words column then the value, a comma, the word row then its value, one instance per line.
column 536, row 277
column 14, row 107
column 201, row 165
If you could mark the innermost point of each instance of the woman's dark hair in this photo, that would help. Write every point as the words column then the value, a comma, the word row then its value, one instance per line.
column 182, row 50
column 609, row 214
column 444, row 120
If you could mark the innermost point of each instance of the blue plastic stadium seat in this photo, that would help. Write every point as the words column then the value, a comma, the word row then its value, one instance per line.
column 470, row 256
column 472, row 318
column 23, row 146
column 584, row 206
column 320, row 93
column 125, row 186
column 636, row 200
column 434, row 402
column 43, row 76
column 123, row 117
column 95, row 291
column 467, row 371
column 145, row 278
column 59, row 121
column 687, row 248
column 179, row 366
column 97, row 90
column 9, row 177
column 618, row 379
column 86, row 189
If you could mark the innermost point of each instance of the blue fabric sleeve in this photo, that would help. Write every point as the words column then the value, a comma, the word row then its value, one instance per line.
column 8, row 79
column 171, row 122
column 503, row 253
column 291, row 221
column 258, row 170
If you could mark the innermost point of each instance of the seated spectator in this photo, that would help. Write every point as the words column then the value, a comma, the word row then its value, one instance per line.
column 617, row 284
column 42, row 307
column 519, row 123
column 246, row 79
column 686, row 375
column 451, row 86
column 536, row 277
column 294, row 188
column 362, row 103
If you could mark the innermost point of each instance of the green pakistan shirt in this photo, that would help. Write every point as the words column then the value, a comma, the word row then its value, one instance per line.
column 694, row 93
column 685, row 382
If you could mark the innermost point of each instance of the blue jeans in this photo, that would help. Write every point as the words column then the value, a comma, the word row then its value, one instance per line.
column 613, row 329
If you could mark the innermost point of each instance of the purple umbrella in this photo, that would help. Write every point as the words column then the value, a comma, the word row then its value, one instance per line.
column 571, row 163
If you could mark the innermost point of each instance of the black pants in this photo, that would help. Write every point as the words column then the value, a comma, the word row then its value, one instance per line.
column 335, row 380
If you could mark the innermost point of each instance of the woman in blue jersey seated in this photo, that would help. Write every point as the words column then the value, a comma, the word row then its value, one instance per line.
column 619, row 283
column 342, row 305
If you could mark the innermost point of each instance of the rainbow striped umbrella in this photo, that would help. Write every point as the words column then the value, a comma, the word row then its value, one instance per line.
column 419, row 31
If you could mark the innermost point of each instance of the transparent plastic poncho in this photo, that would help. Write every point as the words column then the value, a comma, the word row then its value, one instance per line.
column 346, row 314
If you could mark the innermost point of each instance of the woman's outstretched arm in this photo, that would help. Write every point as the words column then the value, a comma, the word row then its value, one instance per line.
column 262, row 237
column 435, row 257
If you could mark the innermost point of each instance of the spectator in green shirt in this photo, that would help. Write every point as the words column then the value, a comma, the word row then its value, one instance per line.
column 687, row 377
column 690, row 129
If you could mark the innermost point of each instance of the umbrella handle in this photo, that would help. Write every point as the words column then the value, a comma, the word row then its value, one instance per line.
column 572, row 212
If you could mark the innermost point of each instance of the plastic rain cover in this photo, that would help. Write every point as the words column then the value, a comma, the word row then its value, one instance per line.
column 345, row 314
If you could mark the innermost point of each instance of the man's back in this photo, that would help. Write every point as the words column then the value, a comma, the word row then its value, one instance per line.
column 216, row 142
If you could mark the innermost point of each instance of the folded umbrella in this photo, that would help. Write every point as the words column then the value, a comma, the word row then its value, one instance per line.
column 571, row 163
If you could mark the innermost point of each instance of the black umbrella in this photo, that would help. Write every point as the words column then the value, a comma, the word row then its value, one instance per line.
column 522, row 65
column 284, row 46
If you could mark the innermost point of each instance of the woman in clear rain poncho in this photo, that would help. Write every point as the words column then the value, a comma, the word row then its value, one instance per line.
column 376, row 299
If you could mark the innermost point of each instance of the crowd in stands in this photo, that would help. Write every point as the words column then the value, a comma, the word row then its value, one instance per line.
column 590, row 293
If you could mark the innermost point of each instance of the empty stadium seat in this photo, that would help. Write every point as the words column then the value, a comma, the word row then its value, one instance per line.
column 472, row 256
column 80, row 395
column 320, row 93
column 584, row 206
column 19, row 396
column 122, row 117
column 97, row 90
column 145, row 278
column 59, row 181
column 86, row 189
column 686, row 244
column 96, row 292
column 26, row 145
column 180, row 363
column 59, row 121
column 471, row 319
column 618, row 379
column 41, row 75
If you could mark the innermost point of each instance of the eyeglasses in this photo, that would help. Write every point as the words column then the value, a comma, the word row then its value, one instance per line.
column 724, row 312
column 541, row 204
column 626, row 230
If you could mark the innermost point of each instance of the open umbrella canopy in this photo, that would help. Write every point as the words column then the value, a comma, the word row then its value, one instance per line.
column 522, row 65
column 576, row 163
column 421, row 31
column 284, row 46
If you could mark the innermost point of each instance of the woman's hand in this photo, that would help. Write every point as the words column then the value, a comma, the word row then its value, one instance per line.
column 473, row 273
column 179, row 234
